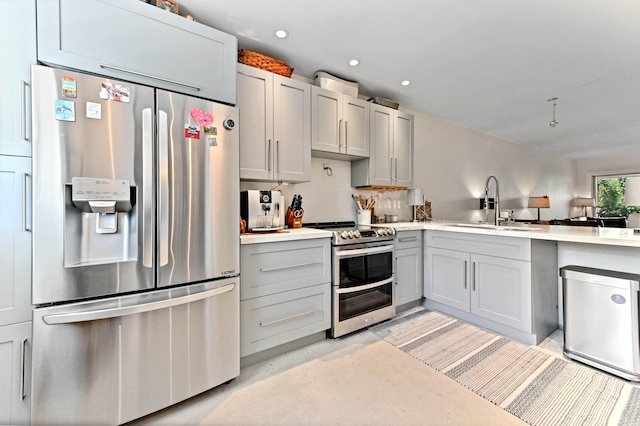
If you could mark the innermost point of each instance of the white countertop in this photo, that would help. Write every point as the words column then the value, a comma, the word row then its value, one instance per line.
column 574, row 234
column 284, row 235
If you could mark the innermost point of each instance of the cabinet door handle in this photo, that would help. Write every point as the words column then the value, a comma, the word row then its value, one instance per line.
column 26, row 222
column 391, row 170
column 407, row 239
column 473, row 276
column 23, row 100
column 23, row 356
column 302, row 314
column 396, row 160
column 109, row 67
column 339, row 135
column 269, row 155
column 277, row 158
column 465, row 274
column 346, row 136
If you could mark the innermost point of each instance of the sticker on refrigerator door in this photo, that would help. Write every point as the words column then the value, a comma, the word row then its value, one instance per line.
column 69, row 87
column 65, row 110
column 114, row 92
column 203, row 118
column 192, row 132
column 94, row 110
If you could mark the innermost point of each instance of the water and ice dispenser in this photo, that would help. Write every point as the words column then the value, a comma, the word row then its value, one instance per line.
column 99, row 221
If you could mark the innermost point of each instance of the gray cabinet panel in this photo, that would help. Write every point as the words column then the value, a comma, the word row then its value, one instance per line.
column 272, row 320
column 15, row 240
column 275, row 126
column 15, row 373
column 390, row 161
column 18, row 46
column 408, row 275
column 339, row 125
column 447, row 278
column 140, row 43
column 501, row 291
column 270, row 268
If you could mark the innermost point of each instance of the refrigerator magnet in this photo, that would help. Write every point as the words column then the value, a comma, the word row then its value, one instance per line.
column 203, row 118
column 65, row 110
column 69, row 87
column 114, row 92
column 210, row 130
column 212, row 140
column 192, row 132
column 94, row 110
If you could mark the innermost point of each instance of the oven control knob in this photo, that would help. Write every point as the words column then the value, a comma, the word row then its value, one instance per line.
column 344, row 235
column 350, row 234
column 356, row 233
column 382, row 231
column 392, row 231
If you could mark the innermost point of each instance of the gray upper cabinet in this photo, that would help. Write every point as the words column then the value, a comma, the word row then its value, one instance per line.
column 134, row 41
column 18, row 44
column 15, row 239
column 275, row 126
column 339, row 125
column 390, row 161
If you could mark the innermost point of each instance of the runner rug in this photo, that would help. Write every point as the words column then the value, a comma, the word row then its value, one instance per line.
column 538, row 387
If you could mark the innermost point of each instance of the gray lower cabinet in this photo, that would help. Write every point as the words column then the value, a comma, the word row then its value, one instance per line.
column 134, row 41
column 15, row 373
column 18, row 46
column 503, row 283
column 15, row 239
column 409, row 267
column 285, row 292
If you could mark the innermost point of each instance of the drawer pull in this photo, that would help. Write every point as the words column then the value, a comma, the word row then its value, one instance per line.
column 279, row 268
column 302, row 314
column 407, row 239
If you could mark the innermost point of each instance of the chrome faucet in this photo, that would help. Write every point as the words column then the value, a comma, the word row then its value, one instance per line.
column 496, row 203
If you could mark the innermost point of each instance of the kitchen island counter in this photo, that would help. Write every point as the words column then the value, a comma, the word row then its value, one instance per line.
column 571, row 234
column 284, row 235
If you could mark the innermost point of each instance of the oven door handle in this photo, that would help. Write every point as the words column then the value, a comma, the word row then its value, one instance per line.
column 368, row 250
column 363, row 287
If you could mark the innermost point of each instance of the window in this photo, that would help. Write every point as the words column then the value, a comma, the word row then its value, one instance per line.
column 610, row 196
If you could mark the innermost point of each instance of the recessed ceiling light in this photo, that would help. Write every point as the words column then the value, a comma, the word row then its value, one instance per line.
column 281, row 34
column 406, row 83
column 354, row 62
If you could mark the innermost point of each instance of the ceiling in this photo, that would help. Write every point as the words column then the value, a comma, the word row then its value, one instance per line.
column 486, row 65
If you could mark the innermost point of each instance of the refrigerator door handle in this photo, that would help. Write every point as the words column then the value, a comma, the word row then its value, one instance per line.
column 99, row 314
column 109, row 67
column 147, row 188
column 163, row 190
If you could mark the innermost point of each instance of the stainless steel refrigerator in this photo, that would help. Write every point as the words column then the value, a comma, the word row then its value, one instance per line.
column 135, row 248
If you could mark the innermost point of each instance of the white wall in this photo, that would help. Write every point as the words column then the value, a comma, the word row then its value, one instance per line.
column 589, row 167
column 451, row 164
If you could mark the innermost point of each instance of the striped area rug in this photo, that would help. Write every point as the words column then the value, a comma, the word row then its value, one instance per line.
column 539, row 388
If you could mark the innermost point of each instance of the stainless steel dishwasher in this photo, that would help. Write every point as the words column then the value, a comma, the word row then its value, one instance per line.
column 601, row 319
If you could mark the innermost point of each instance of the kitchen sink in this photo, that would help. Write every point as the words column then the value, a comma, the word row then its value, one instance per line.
column 489, row 226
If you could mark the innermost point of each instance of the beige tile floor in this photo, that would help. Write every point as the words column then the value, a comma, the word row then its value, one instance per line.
column 354, row 380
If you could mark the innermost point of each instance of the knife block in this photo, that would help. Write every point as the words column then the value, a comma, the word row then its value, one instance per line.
column 293, row 222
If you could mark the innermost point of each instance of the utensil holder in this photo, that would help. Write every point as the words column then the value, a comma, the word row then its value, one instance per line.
column 363, row 217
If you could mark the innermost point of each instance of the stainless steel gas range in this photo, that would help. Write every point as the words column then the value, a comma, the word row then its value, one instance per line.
column 363, row 275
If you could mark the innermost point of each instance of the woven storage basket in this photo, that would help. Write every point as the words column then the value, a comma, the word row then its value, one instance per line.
column 264, row 62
